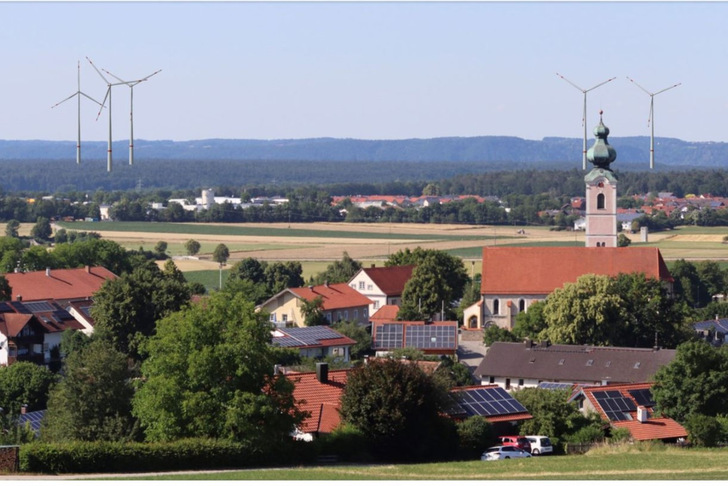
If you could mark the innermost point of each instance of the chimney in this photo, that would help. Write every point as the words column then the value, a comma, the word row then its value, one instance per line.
column 48, row 271
column 277, row 369
column 326, row 283
column 322, row 372
column 24, row 409
column 88, row 268
column 19, row 298
column 642, row 414
column 374, row 265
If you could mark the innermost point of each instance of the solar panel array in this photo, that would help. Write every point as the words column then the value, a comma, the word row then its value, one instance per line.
column 388, row 336
column 547, row 385
column 642, row 397
column 5, row 307
column 305, row 336
column 488, row 402
column 615, row 405
column 40, row 306
column 431, row 337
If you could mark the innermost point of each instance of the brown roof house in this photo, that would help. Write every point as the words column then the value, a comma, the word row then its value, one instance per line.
column 340, row 303
column 519, row 365
column 515, row 277
column 383, row 285
column 61, row 285
column 629, row 407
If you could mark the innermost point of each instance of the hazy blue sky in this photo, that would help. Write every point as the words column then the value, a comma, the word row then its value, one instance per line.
column 365, row 70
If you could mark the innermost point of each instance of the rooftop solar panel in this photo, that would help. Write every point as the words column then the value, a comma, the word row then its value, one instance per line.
column 388, row 336
column 642, row 397
column 431, row 337
column 40, row 306
column 5, row 307
column 488, row 402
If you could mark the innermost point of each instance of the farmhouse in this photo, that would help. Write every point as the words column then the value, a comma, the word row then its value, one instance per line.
column 520, row 365
column 383, row 285
column 338, row 302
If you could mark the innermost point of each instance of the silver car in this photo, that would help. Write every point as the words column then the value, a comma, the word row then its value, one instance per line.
column 503, row 452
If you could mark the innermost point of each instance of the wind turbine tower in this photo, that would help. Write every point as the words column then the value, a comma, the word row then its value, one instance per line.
column 108, row 95
column 651, row 120
column 131, row 85
column 79, row 93
column 583, row 121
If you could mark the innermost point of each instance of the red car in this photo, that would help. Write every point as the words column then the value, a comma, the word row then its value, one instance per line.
column 516, row 441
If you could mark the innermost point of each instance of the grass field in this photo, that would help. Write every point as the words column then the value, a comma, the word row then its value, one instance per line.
column 636, row 463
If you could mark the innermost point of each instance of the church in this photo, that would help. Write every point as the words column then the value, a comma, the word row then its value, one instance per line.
column 515, row 277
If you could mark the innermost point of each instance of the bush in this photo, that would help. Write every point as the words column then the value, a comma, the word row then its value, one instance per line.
column 586, row 435
column 189, row 454
column 475, row 434
column 347, row 442
column 703, row 430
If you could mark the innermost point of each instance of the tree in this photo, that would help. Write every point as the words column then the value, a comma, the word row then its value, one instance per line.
column 93, row 400
column 396, row 406
column 24, row 383
column 280, row 275
column 42, row 229
column 221, row 254
column 703, row 430
column 694, row 382
column 552, row 415
column 248, row 269
column 585, row 312
column 493, row 334
column 192, row 247
column 437, row 281
column 160, row 247
column 687, row 284
column 623, row 240
column 475, row 434
column 126, row 309
column 11, row 229
column 339, row 271
column 358, row 333
column 313, row 312
column 529, row 324
column 210, row 374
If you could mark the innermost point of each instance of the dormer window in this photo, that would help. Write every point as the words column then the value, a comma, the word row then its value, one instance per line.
column 637, row 365
column 590, row 362
column 561, row 361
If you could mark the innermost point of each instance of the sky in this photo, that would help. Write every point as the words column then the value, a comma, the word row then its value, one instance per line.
column 364, row 70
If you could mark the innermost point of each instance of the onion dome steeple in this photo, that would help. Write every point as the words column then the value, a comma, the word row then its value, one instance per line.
column 601, row 154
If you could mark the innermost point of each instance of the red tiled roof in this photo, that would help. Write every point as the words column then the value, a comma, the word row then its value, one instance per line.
column 321, row 400
column 14, row 323
column 385, row 313
column 652, row 429
column 75, row 283
column 335, row 296
column 390, row 280
column 541, row 270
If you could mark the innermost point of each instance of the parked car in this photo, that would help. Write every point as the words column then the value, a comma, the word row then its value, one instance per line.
column 503, row 452
column 516, row 441
column 540, row 444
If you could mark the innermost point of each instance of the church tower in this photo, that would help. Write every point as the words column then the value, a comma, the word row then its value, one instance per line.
column 601, row 192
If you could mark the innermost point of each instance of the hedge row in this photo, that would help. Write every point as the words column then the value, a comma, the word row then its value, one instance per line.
column 189, row 454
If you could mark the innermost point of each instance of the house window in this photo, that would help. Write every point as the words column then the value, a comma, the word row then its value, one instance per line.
column 365, row 313
column 600, row 201
column 496, row 307
column 346, row 315
column 328, row 316
column 361, row 285
column 491, row 380
column 508, row 383
column 590, row 362
column 337, row 352
column 520, row 382
column 637, row 365
column 284, row 317
column 273, row 317
column 561, row 361
column 376, row 304
column 369, row 287
column 521, row 305
column 338, row 316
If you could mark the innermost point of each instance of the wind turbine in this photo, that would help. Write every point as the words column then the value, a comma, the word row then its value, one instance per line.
column 108, row 95
column 585, row 91
column 78, row 93
column 131, row 85
column 651, row 119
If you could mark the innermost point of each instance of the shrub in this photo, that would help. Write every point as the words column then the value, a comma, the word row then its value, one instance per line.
column 586, row 435
column 189, row 454
column 475, row 434
column 703, row 430
column 347, row 442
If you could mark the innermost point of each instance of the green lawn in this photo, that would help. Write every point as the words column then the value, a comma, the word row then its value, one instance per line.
column 636, row 463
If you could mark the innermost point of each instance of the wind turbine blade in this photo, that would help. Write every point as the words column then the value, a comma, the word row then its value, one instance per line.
column 575, row 86
column 604, row 82
column 87, row 96
column 66, row 99
column 147, row 77
column 673, row 86
column 103, row 103
column 640, row 87
column 114, row 76
column 97, row 70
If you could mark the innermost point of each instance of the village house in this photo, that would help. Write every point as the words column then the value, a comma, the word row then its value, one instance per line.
column 628, row 407
column 339, row 302
column 315, row 342
column 527, row 364
column 62, row 285
column 383, row 285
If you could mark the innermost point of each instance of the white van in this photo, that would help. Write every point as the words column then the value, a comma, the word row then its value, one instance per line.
column 540, row 444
